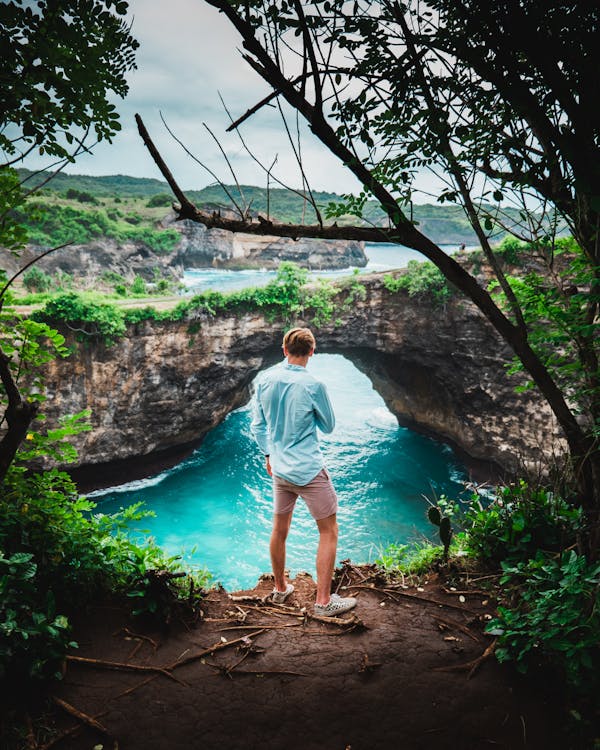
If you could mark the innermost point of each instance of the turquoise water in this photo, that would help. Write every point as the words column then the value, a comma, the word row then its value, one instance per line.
column 380, row 257
column 215, row 507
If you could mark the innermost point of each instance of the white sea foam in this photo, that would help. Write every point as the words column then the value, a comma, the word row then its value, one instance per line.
column 133, row 486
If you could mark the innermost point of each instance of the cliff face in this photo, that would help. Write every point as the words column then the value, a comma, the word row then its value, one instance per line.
column 91, row 261
column 200, row 247
column 162, row 387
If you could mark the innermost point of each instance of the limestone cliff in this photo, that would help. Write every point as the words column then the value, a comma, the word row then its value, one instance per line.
column 163, row 386
column 198, row 247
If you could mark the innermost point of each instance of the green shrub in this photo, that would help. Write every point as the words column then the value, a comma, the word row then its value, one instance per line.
column 51, row 225
column 36, row 280
column 410, row 559
column 420, row 279
column 33, row 637
column 520, row 521
column 159, row 200
column 553, row 617
column 86, row 316
column 57, row 555
column 159, row 240
column 112, row 277
column 138, row 286
column 81, row 196
column 511, row 250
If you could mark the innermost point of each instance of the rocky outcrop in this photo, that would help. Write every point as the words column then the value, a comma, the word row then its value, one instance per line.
column 88, row 263
column 200, row 247
column 163, row 386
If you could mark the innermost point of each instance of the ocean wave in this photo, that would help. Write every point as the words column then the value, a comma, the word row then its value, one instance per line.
column 133, row 486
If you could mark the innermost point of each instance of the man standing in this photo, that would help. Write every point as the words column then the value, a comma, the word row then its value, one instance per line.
column 289, row 405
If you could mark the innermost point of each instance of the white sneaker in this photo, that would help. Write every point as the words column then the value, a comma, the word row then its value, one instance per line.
column 336, row 606
column 280, row 596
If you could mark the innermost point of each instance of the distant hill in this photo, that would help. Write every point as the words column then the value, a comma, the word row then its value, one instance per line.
column 110, row 186
column 444, row 224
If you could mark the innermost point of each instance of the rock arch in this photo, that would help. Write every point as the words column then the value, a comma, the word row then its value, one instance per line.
column 157, row 391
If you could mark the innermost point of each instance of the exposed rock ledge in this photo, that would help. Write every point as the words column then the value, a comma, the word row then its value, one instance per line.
column 200, row 247
column 161, row 388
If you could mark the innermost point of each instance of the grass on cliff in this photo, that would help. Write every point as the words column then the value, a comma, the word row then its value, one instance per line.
column 288, row 296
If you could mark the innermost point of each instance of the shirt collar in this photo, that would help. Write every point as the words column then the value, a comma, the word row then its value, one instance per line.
column 288, row 366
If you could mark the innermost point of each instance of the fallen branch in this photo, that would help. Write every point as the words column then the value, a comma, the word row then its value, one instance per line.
column 227, row 670
column 264, row 627
column 281, row 609
column 138, row 636
column 217, row 647
column 212, row 649
column 66, row 733
column 351, row 623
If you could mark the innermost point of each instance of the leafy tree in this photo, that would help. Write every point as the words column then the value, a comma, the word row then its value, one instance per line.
column 59, row 63
column 501, row 102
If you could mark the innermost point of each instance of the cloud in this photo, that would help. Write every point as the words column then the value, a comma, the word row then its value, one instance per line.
column 189, row 53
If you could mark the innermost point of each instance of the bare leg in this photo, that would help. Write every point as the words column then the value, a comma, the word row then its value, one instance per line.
column 281, row 526
column 328, row 537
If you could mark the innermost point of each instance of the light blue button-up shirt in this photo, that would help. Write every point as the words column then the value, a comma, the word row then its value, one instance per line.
column 289, row 405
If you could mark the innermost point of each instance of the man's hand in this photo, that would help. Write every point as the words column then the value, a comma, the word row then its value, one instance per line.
column 269, row 470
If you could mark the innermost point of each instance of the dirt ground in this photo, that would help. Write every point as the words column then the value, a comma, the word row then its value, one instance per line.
column 398, row 674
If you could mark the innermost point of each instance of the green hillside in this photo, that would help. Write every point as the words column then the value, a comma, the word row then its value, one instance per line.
column 143, row 201
column 109, row 186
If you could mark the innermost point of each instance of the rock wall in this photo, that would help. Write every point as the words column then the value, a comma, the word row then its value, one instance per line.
column 161, row 388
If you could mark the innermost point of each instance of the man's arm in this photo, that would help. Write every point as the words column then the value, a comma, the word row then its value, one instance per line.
column 323, row 410
column 258, row 426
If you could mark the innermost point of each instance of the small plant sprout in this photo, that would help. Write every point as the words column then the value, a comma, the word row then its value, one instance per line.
column 437, row 518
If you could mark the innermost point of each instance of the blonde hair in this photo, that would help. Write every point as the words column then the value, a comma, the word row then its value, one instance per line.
column 299, row 342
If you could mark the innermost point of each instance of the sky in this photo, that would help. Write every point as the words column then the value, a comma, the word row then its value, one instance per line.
column 188, row 55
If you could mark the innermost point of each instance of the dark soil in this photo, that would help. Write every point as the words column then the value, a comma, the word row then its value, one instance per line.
column 397, row 676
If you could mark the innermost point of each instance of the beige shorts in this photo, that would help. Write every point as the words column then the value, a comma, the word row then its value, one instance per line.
column 319, row 495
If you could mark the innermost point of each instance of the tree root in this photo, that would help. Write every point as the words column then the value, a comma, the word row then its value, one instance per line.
column 89, row 721
column 391, row 592
column 458, row 626
column 122, row 666
column 470, row 666
column 217, row 647
column 138, row 637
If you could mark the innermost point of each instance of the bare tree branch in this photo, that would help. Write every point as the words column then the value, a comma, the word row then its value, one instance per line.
column 186, row 205
column 25, row 267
